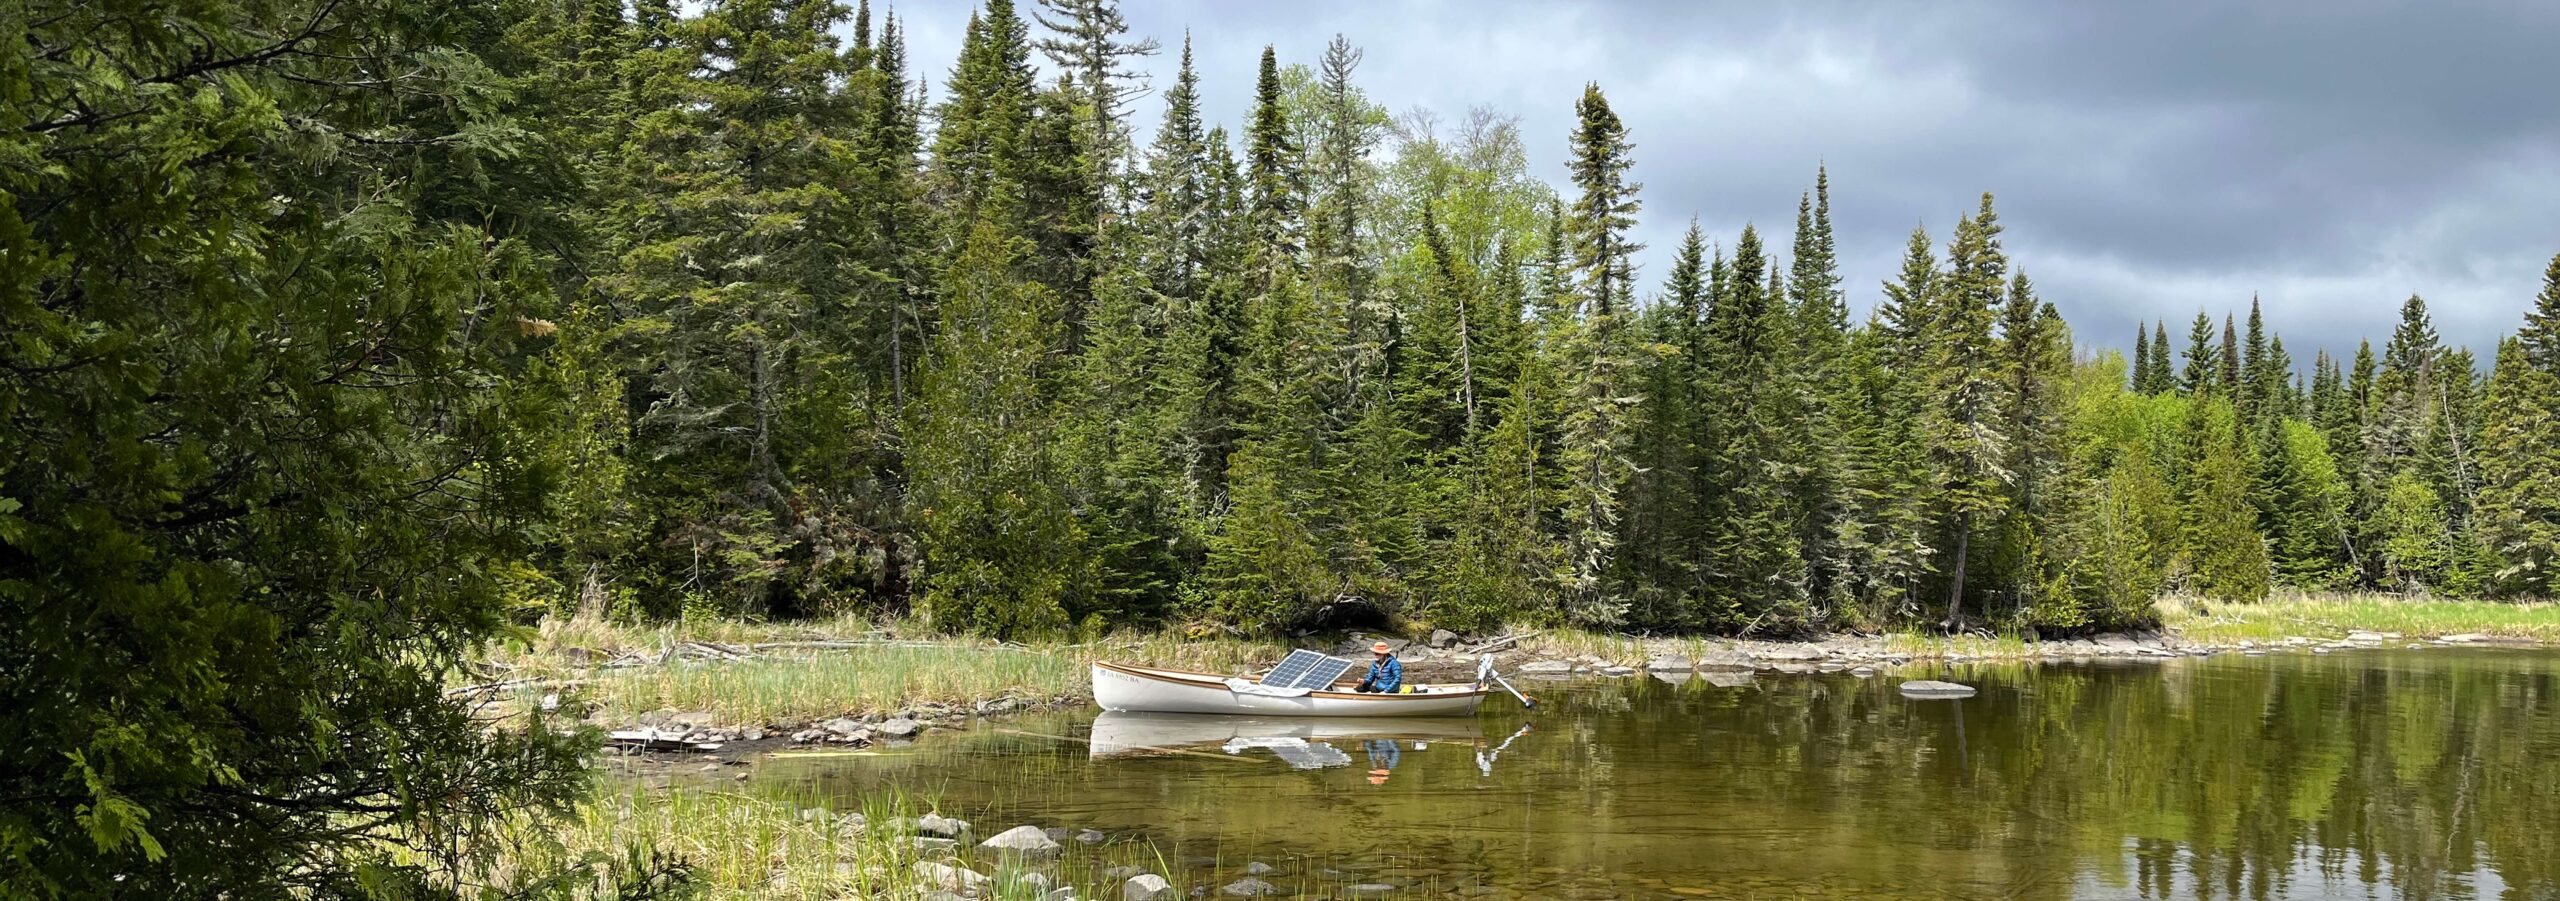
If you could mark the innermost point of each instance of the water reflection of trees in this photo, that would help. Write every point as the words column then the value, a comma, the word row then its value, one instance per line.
column 2433, row 775
column 2436, row 776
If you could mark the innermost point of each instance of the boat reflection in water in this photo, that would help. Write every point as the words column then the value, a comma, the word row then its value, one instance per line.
column 1305, row 743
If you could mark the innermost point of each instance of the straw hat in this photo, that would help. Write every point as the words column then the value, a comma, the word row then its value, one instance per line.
column 1379, row 648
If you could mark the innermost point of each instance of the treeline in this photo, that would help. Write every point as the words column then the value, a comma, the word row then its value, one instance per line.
column 837, row 344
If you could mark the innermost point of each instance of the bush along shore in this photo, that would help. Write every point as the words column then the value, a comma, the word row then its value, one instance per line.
column 855, row 682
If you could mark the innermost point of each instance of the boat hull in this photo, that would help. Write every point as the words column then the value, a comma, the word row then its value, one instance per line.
column 1117, row 687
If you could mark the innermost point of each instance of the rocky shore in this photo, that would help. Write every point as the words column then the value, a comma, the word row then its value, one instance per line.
column 1446, row 657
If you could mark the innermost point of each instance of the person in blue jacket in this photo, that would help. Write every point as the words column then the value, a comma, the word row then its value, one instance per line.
column 1386, row 675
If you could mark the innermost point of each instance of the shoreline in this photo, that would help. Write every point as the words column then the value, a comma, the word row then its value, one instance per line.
column 727, row 695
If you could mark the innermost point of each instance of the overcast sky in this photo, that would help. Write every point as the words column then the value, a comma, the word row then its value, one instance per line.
column 2149, row 159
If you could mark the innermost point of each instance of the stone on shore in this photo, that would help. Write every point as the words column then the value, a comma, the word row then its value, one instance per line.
column 1022, row 840
column 1928, row 688
column 1147, row 887
column 937, row 824
column 1547, row 668
column 1441, row 638
column 900, row 727
column 1249, row 887
column 1671, row 663
column 950, row 878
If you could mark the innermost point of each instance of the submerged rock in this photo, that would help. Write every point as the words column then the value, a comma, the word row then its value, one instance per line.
column 1147, row 887
column 1258, row 868
column 950, row 878
column 1022, row 840
column 1727, row 678
column 1249, row 887
column 1927, row 688
column 1091, row 837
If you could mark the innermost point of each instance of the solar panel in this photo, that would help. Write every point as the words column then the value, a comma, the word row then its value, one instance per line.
column 1306, row 669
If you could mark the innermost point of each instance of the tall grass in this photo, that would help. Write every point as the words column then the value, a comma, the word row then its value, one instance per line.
column 741, row 846
column 897, row 667
column 2333, row 615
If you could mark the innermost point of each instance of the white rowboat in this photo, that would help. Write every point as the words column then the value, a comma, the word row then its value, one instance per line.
column 1121, row 687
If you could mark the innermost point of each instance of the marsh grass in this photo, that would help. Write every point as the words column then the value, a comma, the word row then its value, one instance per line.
column 2333, row 615
column 744, row 846
column 1926, row 646
column 901, row 666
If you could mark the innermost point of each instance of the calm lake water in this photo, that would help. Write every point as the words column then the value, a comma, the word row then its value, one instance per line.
column 2429, row 774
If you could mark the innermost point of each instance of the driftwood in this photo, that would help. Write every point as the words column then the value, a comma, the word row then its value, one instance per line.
column 654, row 740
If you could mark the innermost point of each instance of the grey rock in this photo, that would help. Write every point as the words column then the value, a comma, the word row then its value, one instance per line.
column 950, row 878
column 843, row 726
column 1617, row 671
column 1258, row 868
column 1091, row 837
column 900, row 727
column 1725, row 660
column 1147, row 887
column 1926, row 688
column 1441, row 638
column 1547, row 668
column 937, row 824
column 1249, row 887
column 1021, row 840
column 808, row 736
column 1671, row 663
column 1123, row 872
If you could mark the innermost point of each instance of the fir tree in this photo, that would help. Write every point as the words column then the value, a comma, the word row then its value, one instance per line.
column 2141, row 360
column 2520, row 458
column 1599, row 162
column 2198, row 376
column 2161, row 381
column 1090, row 45
column 1965, row 390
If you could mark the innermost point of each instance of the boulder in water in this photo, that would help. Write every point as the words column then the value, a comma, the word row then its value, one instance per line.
column 1147, row 887
column 1927, row 688
column 1022, row 840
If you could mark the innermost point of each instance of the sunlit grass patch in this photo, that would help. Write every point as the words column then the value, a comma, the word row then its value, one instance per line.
column 799, row 688
column 1927, row 646
column 2333, row 615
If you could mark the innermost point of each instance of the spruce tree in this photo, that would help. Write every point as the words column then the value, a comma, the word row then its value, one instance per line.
column 1089, row 44
column 2142, row 360
column 2260, row 384
column 2520, row 458
column 1274, row 178
column 2227, row 374
column 2198, row 376
column 2226, row 556
column 1966, row 392
column 2161, row 381
column 1596, row 357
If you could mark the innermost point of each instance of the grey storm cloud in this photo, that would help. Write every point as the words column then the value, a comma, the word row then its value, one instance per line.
column 2149, row 160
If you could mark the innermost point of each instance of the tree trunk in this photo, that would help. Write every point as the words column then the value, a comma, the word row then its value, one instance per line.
column 1955, row 585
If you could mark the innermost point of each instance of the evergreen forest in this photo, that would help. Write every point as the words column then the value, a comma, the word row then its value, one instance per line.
column 366, row 329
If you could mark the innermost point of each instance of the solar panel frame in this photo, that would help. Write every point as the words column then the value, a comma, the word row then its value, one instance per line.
column 1306, row 669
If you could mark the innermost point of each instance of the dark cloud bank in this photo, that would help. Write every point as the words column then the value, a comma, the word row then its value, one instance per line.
column 2150, row 159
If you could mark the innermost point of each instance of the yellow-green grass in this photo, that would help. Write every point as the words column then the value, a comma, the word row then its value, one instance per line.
column 892, row 666
column 2334, row 615
column 742, row 846
column 1926, row 646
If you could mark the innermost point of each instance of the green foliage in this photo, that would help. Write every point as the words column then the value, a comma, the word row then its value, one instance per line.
column 282, row 413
